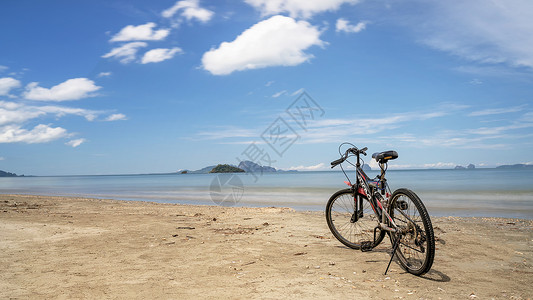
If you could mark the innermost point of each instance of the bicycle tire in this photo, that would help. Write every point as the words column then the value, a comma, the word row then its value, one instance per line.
column 339, row 212
column 416, row 250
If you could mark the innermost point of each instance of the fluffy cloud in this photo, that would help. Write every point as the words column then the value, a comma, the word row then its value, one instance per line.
column 72, row 89
column 160, row 54
column 140, row 33
column 75, row 143
column 190, row 9
column 297, row 8
column 344, row 25
column 14, row 115
column 11, row 112
column 116, row 117
column 7, row 84
column 39, row 134
column 498, row 31
column 277, row 41
column 125, row 53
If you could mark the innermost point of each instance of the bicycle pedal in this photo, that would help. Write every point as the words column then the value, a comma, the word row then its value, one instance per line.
column 366, row 246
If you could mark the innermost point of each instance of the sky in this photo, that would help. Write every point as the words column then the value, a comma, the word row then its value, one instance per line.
column 120, row 87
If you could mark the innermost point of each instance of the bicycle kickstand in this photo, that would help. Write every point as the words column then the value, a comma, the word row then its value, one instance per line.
column 394, row 248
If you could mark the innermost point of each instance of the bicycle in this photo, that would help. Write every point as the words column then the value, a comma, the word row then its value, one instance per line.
column 360, row 216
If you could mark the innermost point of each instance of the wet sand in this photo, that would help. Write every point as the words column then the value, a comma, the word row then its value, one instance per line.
column 71, row 248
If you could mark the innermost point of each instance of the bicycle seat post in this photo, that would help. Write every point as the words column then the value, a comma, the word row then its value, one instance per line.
column 383, row 180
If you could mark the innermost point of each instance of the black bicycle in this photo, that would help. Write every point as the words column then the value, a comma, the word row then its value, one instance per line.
column 360, row 216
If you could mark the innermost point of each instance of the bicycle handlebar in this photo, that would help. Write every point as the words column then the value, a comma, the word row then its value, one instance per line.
column 345, row 156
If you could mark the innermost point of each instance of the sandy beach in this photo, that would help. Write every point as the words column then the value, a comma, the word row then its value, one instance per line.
column 72, row 248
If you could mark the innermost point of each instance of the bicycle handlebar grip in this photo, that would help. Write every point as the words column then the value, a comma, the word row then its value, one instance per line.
column 363, row 151
column 336, row 162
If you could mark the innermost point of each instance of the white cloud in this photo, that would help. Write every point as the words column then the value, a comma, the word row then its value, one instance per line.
column 159, row 55
column 39, row 134
column 497, row 111
column 11, row 112
column 500, row 70
column 318, row 167
column 116, row 117
column 15, row 113
column 190, row 9
column 3, row 68
column 281, row 93
column 367, row 129
column 344, row 25
column 277, row 41
column 125, row 53
column 297, row 8
column 104, row 74
column 440, row 165
column 228, row 132
column 72, row 89
column 298, row 91
column 7, row 84
column 498, row 31
column 140, row 33
column 75, row 143
column 61, row 111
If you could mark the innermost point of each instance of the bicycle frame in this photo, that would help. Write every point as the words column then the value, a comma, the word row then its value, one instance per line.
column 362, row 189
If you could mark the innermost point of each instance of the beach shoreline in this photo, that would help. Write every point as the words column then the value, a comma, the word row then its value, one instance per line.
column 67, row 247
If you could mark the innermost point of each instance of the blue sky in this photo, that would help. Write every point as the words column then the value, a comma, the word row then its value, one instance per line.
column 112, row 87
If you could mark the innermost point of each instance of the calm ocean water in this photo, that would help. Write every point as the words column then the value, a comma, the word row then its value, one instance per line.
column 480, row 192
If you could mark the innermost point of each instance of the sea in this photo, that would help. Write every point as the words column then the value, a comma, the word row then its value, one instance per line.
column 464, row 193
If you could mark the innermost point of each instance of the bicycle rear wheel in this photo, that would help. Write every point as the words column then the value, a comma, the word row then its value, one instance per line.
column 416, row 249
column 349, row 229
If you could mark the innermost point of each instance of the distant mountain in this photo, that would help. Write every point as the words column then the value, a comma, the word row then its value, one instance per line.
column 201, row 171
column 517, row 166
column 7, row 174
column 366, row 167
column 251, row 167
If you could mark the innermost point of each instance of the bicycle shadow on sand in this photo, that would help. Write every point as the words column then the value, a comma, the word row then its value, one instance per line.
column 432, row 275
column 437, row 276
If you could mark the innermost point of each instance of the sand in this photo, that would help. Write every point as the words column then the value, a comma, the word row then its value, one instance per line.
column 72, row 248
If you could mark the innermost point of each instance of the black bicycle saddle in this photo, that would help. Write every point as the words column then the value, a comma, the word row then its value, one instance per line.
column 383, row 157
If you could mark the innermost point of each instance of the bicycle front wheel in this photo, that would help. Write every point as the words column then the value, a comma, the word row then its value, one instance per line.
column 416, row 248
column 350, row 227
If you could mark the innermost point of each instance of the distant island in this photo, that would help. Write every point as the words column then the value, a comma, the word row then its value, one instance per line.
column 244, row 166
column 7, row 174
column 516, row 166
column 226, row 169
column 469, row 167
column 251, row 167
